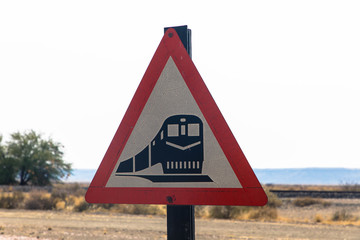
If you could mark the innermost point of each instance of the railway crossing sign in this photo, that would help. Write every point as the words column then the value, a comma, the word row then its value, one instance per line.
column 173, row 145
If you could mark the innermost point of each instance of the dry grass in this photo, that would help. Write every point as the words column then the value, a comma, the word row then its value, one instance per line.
column 268, row 212
column 308, row 201
column 299, row 187
column 338, row 218
column 38, row 201
column 344, row 216
column 70, row 197
column 318, row 218
column 11, row 200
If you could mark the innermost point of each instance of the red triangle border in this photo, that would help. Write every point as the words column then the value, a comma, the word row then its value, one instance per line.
column 252, row 193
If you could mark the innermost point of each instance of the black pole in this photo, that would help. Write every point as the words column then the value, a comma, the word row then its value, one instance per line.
column 180, row 222
column 184, row 35
column 181, row 218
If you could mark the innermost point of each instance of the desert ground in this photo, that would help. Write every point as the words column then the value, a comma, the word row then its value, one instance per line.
column 311, row 222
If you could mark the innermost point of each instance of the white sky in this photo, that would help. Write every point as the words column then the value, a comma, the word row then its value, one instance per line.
column 285, row 74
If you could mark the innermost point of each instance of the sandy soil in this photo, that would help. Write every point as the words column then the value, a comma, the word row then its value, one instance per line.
column 25, row 225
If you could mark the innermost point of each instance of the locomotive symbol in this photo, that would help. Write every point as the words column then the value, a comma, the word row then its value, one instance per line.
column 178, row 147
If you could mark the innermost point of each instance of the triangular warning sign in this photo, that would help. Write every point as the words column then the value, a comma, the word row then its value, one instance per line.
column 173, row 145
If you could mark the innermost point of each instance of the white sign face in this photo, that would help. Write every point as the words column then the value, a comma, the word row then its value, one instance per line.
column 171, row 144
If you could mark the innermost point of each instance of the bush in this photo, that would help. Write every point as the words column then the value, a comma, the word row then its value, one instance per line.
column 227, row 212
column 343, row 216
column 11, row 200
column 59, row 198
column 38, row 201
column 318, row 218
column 106, row 206
column 142, row 209
column 58, row 194
column 308, row 201
column 263, row 213
column 266, row 212
column 82, row 206
column 273, row 200
column 243, row 212
column 137, row 209
column 64, row 190
column 76, row 189
column 350, row 186
column 201, row 211
column 60, row 205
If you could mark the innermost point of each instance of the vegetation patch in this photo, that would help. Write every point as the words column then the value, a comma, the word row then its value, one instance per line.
column 273, row 200
column 70, row 197
column 141, row 209
column 343, row 215
column 263, row 213
column 11, row 200
column 318, row 218
column 267, row 212
column 227, row 212
column 38, row 201
column 29, row 159
column 308, row 201
column 82, row 206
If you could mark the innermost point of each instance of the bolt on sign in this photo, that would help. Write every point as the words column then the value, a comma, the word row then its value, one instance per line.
column 173, row 145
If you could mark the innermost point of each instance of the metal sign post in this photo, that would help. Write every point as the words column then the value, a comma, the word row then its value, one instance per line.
column 181, row 218
column 180, row 222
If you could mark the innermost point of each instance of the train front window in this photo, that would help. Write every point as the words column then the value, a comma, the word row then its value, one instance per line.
column 193, row 130
column 173, row 130
column 183, row 130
